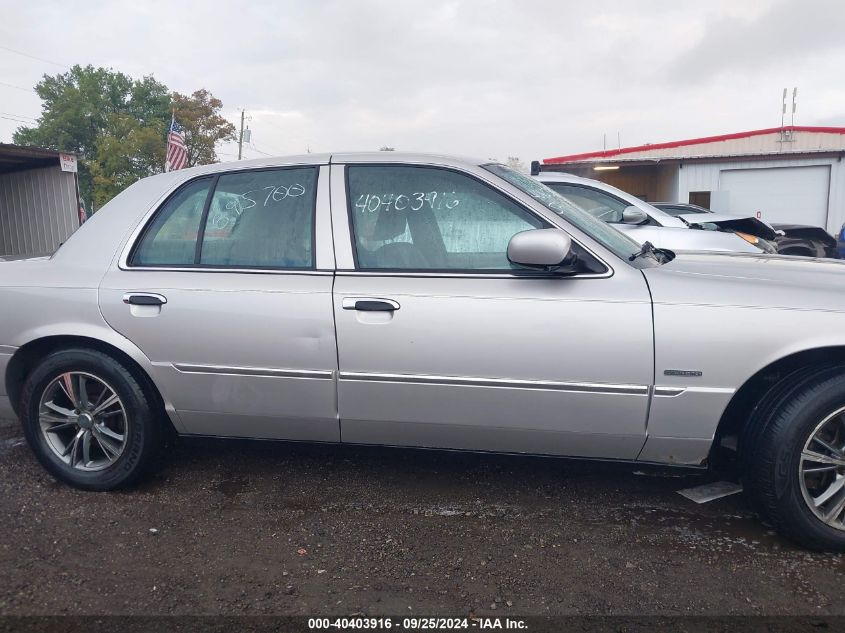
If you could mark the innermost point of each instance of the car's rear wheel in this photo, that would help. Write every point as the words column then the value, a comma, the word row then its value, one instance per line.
column 797, row 469
column 88, row 420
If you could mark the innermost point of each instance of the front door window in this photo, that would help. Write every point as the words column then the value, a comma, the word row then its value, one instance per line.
column 424, row 218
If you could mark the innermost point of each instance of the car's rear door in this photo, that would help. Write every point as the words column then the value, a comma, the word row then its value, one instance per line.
column 441, row 343
column 227, row 289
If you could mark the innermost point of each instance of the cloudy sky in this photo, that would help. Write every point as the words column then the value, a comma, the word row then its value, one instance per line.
column 487, row 78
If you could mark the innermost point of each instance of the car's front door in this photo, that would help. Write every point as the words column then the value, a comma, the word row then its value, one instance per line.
column 443, row 343
column 228, row 292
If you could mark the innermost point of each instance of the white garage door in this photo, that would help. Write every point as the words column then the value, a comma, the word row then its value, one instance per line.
column 780, row 194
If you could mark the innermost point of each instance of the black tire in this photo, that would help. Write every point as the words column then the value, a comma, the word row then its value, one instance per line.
column 143, row 433
column 797, row 252
column 773, row 457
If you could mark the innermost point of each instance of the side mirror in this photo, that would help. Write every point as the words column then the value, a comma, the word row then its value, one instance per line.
column 545, row 249
column 633, row 215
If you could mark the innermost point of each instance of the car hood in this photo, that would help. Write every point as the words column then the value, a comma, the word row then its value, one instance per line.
column 741, row 279
column 744, row 224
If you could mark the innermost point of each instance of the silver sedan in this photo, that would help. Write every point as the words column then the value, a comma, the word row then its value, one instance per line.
column 422, row 301
column 643, row 222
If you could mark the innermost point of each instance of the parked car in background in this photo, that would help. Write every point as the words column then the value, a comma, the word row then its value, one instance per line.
column 421, row 301
column 645, row 223
column 791, row 239
column 840, row 242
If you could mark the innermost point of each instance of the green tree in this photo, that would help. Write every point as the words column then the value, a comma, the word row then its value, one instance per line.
column 76, row 109
column 199, row 115
column 118, row 126
column 126, row 152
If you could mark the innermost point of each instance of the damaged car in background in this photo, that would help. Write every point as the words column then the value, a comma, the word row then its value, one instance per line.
column 800, row 240
column 645, row 223
column 422, row 301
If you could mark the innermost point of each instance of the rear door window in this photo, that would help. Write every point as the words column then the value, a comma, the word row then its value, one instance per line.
column 261, row 219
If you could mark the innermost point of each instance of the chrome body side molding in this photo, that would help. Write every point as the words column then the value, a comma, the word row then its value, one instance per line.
column 253, row 371
column 585, row 387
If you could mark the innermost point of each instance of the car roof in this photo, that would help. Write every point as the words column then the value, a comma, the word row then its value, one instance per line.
column 337, row 158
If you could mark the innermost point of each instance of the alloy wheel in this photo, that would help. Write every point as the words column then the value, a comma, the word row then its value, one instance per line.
column 822, row 470
column 83, row 421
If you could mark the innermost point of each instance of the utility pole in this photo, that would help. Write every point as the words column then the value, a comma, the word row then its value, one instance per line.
column 241, row 138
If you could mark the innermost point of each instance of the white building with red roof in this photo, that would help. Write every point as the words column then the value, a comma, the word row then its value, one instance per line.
column 791, row 174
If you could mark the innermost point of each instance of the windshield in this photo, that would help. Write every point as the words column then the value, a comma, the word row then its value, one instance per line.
column 599, row 204
column 606, row 235
column 678, row 211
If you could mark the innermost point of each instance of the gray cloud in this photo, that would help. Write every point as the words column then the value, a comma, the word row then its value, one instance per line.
column 786, row 33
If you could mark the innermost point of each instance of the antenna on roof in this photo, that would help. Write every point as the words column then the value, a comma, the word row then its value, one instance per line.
column 794, row 104
column 783, row 111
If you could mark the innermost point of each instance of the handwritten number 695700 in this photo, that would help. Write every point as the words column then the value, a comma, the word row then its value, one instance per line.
column 276, row 193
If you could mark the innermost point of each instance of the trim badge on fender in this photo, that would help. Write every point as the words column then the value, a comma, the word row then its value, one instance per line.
column 682, row 372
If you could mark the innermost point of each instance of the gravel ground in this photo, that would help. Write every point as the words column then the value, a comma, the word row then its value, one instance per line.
column 228, row 528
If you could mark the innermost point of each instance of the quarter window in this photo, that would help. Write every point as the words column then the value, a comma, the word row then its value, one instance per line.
column 257, row 219
column 171, row 237
column 407, row 217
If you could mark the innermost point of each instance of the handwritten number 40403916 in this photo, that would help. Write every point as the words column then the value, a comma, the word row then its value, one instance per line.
column 370, row 202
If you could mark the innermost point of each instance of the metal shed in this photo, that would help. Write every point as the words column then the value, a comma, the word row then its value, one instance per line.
column 39, row 206
column 790, row 174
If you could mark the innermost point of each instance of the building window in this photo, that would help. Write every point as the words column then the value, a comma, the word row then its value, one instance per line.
column 700, row 198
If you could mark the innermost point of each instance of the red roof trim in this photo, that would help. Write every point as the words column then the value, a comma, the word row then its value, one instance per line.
column 610, row 153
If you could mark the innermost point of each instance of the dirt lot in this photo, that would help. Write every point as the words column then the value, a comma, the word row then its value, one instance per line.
column 248, row 528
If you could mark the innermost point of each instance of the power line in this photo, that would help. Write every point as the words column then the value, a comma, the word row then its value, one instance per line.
column 3, row 83
column 251, row 146
column 8, row 118
column 21, row 116
column 40, row 59
column 255, row 149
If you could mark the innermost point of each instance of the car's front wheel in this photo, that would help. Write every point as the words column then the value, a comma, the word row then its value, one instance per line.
column 798, row 464
column 88, row 421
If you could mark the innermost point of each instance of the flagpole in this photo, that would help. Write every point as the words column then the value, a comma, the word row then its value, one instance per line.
column 167, row 144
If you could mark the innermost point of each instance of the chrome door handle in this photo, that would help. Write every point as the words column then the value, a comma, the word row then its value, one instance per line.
column 370, row 304
column 144, row 299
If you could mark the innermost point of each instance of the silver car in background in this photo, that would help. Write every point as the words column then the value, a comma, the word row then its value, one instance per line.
column 643, row 222
column 421, row 301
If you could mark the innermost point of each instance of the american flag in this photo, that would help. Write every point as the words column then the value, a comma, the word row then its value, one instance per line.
column 177, row 153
